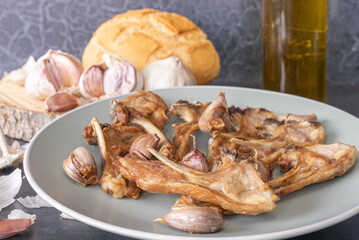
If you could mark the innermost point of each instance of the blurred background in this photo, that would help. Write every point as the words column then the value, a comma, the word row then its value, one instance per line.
column 31, row 27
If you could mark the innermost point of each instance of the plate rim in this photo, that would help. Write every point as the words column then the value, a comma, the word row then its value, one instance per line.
column 298, row 231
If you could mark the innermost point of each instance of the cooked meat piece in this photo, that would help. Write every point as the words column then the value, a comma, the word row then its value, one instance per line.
column 297, row 133
column 188, row 112
column 215, row 117
column 294, row 117
column 237, row 186
column 90, row 136
column 308, row 165
column 149, row 104
column 207, row 217
column 112, row 142
column 246, row 121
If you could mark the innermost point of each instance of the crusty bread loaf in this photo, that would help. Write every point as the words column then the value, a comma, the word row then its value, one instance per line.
column 146, row 35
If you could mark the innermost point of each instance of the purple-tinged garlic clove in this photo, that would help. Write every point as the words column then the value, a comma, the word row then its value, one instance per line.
column 216, row 117
column 42, row 80
column 299, row 118
column 61, row 101
column 81, row 167
column 139, row 146
column 11, row 227
column 91, row 82
column 195, row 160
column 69, row 67
column 194, row 219
column 121, row 78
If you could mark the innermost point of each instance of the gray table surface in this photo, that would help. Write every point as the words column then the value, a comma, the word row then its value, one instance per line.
column 49, row 225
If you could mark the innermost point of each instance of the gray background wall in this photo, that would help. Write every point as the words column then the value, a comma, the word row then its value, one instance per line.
column 30, row 27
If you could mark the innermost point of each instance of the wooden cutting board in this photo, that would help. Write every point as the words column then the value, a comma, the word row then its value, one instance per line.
column 21, row 116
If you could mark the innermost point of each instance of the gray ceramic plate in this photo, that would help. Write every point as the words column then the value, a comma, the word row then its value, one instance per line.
column 310, row 209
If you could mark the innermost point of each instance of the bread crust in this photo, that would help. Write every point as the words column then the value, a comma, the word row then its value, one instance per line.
column 147, row 35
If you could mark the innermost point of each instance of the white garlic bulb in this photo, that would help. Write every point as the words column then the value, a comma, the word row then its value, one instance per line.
column 52, row 72
column 165, row 73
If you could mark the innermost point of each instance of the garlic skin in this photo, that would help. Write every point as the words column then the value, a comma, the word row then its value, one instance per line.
column 52, row 72
column 18, row 76
column 166, row 73
column 81, row 167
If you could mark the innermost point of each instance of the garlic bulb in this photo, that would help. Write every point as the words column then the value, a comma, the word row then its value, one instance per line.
column 52, row 72
column 110, row 77
column 165, row 73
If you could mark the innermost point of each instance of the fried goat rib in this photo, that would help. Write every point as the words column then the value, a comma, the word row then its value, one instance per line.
column 315, row 164
column 237, row 187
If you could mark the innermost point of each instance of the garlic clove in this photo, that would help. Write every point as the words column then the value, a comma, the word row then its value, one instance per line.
column 139, row 146
column 11, row 227
column 81, row 167
column 121, row 78
column 69, row 67
column 61, row 101
column 216, row 117
column 195, row 159
column 91, row 82
column 165, row 73
column 41, row 82
column 194, row 219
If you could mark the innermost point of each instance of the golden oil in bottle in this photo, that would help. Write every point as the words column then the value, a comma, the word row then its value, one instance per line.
column 294, row 47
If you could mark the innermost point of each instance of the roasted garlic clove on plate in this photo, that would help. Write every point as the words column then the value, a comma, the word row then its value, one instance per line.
column 216, row 117
column 81, row 167
column 194, row 219
column 139, row 146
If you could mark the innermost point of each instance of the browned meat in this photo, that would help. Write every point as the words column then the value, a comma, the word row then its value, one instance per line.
column 237, row 187
column 114, row 140
column 308, row 165
column 188, row 112
column 246, row 121
column 147, row 103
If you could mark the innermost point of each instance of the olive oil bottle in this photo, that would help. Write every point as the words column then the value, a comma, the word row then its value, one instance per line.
column 294, row 47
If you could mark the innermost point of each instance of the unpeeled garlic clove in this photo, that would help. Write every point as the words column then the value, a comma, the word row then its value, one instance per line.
column 81, row 167
column 52, row 72
column 194, row 219
column 195, row 160
column 11, row 227
column 139, row 146
column 41, row 81
column 61, row 101
column 69, row 67
column 165, row 73
column 122, row 78
column 91, row 82
column 216, row 117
